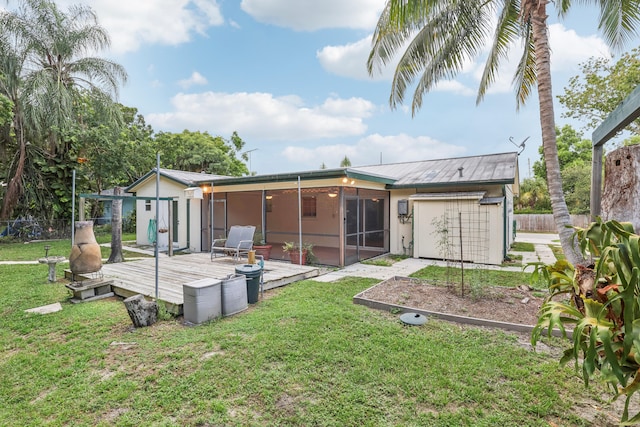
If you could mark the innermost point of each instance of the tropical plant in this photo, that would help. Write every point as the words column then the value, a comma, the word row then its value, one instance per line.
column 306, row 249
column 45, row 67
column 533, row 197
column 600, row 302
column 439, row 37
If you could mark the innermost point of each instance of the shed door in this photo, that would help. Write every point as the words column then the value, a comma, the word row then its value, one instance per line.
column 451, row 230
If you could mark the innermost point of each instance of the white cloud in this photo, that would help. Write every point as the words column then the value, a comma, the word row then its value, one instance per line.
column 367, row 151
column 568, row 48
column 195, row 79
column 454, row 86
column 168, row 22
column 311, row 15
column 262, row 116
column 350, row 60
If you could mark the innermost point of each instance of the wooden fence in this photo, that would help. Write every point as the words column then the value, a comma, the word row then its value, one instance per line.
column 545, row 222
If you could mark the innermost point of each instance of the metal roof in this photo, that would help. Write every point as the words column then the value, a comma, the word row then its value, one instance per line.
column 492, row 168
column 186, row 178
column 484, row 169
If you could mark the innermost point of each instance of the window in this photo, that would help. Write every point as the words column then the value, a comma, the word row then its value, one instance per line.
column 309, row 206
column 147, row 205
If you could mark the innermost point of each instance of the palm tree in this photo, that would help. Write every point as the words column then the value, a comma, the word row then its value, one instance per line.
column 443, row 34
column 46, row 63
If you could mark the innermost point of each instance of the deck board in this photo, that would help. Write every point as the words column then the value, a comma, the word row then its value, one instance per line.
column 138, row 277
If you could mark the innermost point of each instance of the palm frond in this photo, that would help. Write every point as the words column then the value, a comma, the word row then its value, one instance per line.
column 526, row 74
column 508, row 30
column 619, row 21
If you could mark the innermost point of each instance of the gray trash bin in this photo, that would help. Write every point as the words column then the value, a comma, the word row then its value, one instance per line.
column 234, row 294
column 202, row 300
column 252, row 272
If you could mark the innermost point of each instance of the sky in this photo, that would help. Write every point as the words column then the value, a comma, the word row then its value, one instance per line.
column 290, row 77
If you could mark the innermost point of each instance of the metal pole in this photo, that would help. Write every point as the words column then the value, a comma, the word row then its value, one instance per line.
column 461, row 256
column 300, row 218
column 157, row 215
column 73, row 208
column 263, row 224
column 211, row 213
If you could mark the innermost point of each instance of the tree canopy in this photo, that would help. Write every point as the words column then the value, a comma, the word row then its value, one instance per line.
column 45, row 69
column 58, row 114
column 574, row 154
column 591, row 96
column 199, row 151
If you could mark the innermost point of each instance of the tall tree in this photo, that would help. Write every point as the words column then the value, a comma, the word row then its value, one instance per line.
column 572, row 148
column 44, row 58
column 574, row 157
column 199, row 151
column 438, row 37
column 599, row 89
column 345, row 163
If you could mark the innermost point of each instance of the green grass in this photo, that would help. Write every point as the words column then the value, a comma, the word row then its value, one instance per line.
column 31, row 251
column 385, row 261
column 557, row 251
column 305, row 356
column 523, row 247
column 441, row 275
column 381, row 262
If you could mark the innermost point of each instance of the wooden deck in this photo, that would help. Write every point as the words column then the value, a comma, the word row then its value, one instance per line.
column 138, row 277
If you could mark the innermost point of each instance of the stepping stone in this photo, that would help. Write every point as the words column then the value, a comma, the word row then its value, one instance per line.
column 46, row 309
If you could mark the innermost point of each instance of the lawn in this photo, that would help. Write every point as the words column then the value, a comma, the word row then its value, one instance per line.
column 304, row 356
column 31, row 251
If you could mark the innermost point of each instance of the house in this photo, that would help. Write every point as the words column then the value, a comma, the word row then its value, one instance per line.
column 422, row 209
column 128, row 206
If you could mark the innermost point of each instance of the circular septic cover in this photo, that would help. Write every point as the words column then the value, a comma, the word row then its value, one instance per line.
column 413, row 319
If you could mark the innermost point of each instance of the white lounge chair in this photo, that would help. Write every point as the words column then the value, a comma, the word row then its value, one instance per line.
column 238, row 242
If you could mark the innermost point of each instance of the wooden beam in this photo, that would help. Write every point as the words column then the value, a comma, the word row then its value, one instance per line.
column 625, row 113
column 596, row 181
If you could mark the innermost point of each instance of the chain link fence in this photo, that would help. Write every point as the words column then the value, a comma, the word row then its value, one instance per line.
column 28, row 228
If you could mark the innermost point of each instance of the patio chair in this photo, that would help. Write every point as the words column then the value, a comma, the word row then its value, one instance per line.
column 238, row 242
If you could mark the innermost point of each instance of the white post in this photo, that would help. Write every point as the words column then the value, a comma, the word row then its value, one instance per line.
column 157, row 215
column 73, row 208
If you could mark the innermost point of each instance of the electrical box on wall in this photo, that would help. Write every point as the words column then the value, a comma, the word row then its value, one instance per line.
column 403, row 207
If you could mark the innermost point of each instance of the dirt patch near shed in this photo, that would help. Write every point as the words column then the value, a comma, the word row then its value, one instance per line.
column 512, row 305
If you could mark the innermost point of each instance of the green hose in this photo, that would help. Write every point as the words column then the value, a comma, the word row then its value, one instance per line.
column 151, row 231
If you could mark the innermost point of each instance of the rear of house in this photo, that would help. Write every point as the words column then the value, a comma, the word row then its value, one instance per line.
column 421, row 209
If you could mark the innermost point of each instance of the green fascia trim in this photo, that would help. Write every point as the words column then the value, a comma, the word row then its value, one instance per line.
column 283, row 177
column 109, row 197
column 448, row 184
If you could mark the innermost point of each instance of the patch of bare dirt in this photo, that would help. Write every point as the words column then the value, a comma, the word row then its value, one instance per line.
column 512, row 305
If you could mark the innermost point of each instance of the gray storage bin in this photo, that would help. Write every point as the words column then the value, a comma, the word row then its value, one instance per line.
column 202, row 300
column 234, row 294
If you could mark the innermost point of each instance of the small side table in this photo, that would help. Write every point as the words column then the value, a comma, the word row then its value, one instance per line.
column 51, row 261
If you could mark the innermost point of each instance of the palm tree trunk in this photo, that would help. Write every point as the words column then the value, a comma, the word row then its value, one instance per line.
column 547, row 123
column 14, row 189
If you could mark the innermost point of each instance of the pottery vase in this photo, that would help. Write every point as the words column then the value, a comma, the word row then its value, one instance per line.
column 85, row 253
